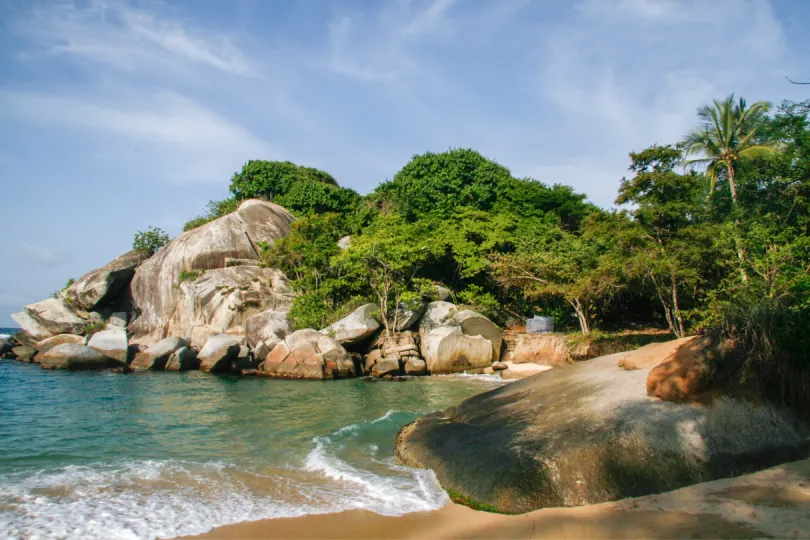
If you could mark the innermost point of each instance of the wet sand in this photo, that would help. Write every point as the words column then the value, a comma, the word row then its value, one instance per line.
column 771, row 503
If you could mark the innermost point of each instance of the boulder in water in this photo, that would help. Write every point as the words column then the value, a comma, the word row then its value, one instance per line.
column 111, row 342
column 156, row 355
column 308, row 354
column 47, row 344
column 32, row 331
column 76, row 357
column 219, row 351
column 24, row 353
column 183, row 359
column 267, row 325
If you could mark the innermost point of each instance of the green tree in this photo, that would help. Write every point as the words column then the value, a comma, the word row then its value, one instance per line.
column 386, row 262
column 727, row 133
column 150, row 240
column 574, row 268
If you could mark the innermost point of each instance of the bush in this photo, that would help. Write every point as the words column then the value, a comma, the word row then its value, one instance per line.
column 150, row 241
column 189, row 275
column 213, row 210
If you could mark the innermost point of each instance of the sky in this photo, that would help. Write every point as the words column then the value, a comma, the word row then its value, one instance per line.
column 116, row 116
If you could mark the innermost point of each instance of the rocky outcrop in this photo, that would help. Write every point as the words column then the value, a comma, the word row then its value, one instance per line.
column 219, row 351
column 587, row 433
column 415, row 366
column 32, row 330
column 689, row 370
column 391, row 355
column 407, row 317
column 454, row 340
column 267, row 326
column 47, row 344
column 544, row 349
column 308, row 354
column 5, row 347
column 652, row 354
column 360, row 324
column 155, row 356
column 101, row 286
column 221, row 299
column 76, row 357
column 55, row 317
column 183, row 359
column 24, row 353
column 112, row 343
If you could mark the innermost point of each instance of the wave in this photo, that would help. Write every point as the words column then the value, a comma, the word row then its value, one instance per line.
column 353, row 468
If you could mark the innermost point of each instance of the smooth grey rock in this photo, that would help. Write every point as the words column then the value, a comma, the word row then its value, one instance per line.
column 32, row 328
column 587, row 433
column 111, row 342
column 223, row 298
column 76, row 357
column 101, row 286
column 407, row 318
column 415, row 366
column 386, row 366
column 23, row 353
column 499, row 366
column 261, row 351
column 156, row 355
column 360, row 324
column 266, row 325
column 308, row 354
column 345, row 242
column 443, row 293
column 47, row 344
column 118, row 319
column 183, row 359
column 53, row 315
column 218, row 353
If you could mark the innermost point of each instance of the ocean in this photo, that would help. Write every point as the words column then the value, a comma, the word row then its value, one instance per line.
column 6, row 332
column 148, row 455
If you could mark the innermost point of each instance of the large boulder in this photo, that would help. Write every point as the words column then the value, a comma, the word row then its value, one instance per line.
column 76, row 357
column 587, row 433
column 156, row 355
column 101, row 286
column 221, row 299
column 32, row 330
column 54, row 316
column 266, row 326
column 407, row 317
column 183, row 359
column 360, row 324
column 219, row 351
column 454, row 340
column 5, row 347
column 308, row 354
column 543, row 349
column 653, row 354
column 111, row 342
column 689, row 369
column 47, row 344
column 24, row 353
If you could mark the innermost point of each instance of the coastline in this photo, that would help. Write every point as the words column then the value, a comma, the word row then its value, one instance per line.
column 769, row 503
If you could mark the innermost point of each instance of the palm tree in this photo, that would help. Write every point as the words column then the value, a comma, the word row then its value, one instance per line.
column 726, row 134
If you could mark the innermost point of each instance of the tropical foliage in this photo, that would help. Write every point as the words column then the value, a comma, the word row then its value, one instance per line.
column 150, row 240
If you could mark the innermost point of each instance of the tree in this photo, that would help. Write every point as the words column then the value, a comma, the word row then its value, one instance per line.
column 385, row 261
column 665, row 242
column 150, row 240
column 571, row 267
column 727, row 133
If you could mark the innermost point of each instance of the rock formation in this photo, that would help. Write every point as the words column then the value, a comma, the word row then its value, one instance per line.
column 221, row 299
column 219, row 351
column 76, row 357
column 588, row 433
column 308, row 354
column 360, row 324
column 454, row 340
column 101, row 286
column 156, row 355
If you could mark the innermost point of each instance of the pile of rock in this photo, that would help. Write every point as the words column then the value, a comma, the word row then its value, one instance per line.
column 396, row 355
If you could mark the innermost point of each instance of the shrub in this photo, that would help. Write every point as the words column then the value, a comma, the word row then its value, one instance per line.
column 150, row 240
column 189, row 275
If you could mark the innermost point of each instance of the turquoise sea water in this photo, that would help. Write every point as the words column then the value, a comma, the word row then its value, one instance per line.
column 106, row 455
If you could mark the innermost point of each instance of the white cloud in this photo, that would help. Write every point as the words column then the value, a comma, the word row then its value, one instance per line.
column 39, row 255
column 126, row 39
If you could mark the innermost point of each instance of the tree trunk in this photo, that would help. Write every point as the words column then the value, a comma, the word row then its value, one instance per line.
column 737, row 240
column 667, row 308
column 581, row 315
column 676, row 310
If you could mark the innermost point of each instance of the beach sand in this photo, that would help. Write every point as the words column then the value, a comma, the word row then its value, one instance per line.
column 771, row 503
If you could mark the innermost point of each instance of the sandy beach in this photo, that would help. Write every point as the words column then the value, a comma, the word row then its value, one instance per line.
column 771, row 503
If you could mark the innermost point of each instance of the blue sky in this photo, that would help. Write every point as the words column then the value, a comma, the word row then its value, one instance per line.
column 116, row 115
